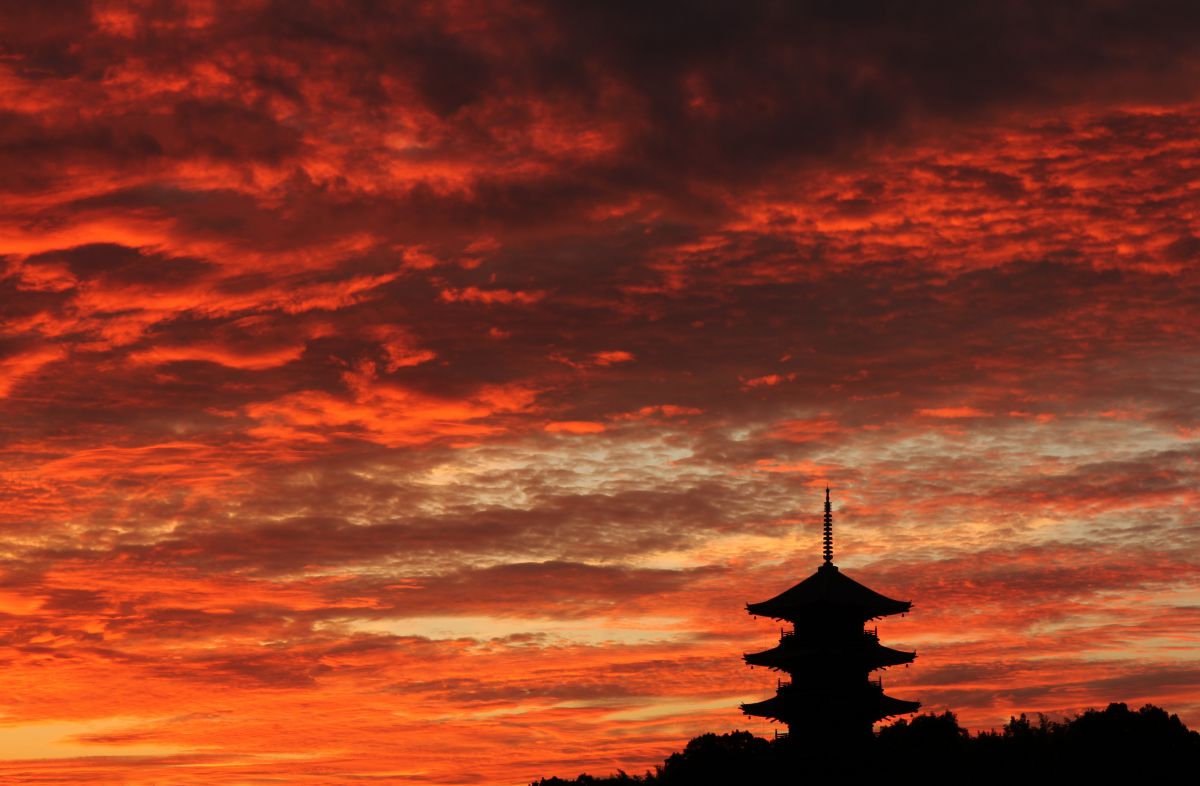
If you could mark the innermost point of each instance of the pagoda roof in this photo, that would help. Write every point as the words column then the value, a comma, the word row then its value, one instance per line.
column 869, row 652
column 889, row 706
column 791, row 708
column 826, row 589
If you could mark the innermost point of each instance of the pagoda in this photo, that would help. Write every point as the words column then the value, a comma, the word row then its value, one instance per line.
column 828, row 655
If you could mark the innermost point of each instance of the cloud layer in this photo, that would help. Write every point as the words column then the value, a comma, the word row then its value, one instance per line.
column 378, row 375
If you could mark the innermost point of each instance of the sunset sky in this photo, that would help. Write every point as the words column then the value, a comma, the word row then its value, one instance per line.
column 417, row 392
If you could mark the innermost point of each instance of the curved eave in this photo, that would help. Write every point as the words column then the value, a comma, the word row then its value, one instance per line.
column 873, row 658
column 794, row 612
column 891, row 706
column 768, row 708
column 797, row 708
column 828, row 589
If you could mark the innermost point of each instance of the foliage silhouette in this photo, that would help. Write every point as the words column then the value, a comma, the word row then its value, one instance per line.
column 1097, row 745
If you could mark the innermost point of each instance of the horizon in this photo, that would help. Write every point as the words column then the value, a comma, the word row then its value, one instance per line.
column 420, row 391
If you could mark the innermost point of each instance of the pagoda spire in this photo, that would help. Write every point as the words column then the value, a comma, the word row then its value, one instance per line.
column 828, row 529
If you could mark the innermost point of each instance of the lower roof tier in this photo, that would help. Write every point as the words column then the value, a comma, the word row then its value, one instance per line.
column 791, row 708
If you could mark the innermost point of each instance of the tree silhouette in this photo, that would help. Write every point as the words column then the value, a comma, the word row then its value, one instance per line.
column 1146, row 745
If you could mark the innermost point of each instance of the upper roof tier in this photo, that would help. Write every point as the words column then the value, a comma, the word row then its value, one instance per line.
column 828, row 590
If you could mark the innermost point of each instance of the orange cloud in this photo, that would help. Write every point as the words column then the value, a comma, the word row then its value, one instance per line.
column 477, row 295
column 953, row 412
column 574, row 427
column 15, row 367
column 255, row 360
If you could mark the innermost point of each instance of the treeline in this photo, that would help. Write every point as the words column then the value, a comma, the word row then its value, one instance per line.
column 1133, row 746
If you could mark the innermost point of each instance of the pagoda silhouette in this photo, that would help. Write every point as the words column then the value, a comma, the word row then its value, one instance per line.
column 829, row 654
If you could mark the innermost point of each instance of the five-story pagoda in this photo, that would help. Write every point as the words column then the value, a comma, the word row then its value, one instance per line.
column 829, row 655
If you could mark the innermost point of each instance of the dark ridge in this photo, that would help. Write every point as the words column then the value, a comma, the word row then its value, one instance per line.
column 1139, row 746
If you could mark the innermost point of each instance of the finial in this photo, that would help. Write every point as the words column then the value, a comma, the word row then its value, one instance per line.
column 828, row 529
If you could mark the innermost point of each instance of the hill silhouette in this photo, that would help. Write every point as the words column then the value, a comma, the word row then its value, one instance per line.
column 1139, row 746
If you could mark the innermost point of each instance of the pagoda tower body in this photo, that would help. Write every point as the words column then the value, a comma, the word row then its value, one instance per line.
column 829, row 697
